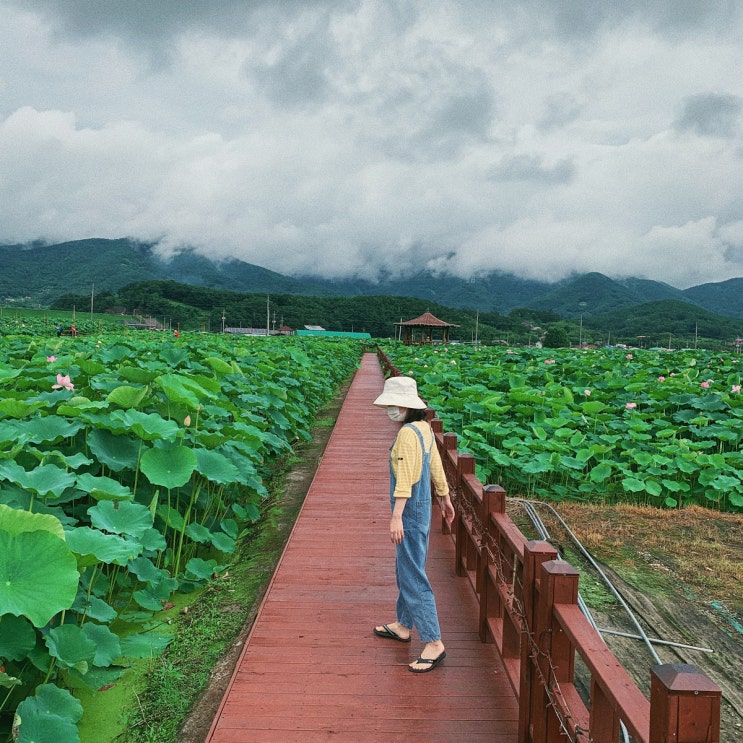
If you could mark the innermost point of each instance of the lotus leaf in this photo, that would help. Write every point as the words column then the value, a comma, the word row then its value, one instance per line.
column 51, row 716
column 8, row 372
column 186, row 390
column 121, row 517
column 19, row 408
column 144, row 645
column 146, row 571
column 96, row 608
column 71, row 647
column 94, row 546
column 8, row 682
column 219, row 365
column 171, row 517
column 116, row 452
column 17, row 637
column 46, row 480
column 223, row 542
column 217, row 467
column 15, row 522
column 11, row 432
column 198, row 533
column 169, row 468
column 148, row 426
column 50, row 428
column 201, row 569
column 153, row 541
column 107, row 644
column 127, row 397
column 38, row 575
column 154, row 596
column 104, row 488
column 135, row 374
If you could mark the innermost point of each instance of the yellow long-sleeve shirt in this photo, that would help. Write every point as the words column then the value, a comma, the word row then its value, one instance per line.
column 406, row 458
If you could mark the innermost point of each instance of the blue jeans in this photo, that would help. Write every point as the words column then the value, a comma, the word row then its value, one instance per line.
column 416, row 606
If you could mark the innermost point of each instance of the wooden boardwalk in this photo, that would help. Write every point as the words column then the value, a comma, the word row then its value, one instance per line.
column 311, row 669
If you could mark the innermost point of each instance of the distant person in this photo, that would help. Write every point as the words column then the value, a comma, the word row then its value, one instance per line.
column 73, row 330
column 60, row 330
column 175, row 333
column 414, row 464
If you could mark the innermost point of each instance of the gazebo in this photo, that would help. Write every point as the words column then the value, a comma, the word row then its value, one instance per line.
column 421, row 329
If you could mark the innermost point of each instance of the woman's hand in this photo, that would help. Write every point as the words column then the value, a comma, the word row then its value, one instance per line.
column 396, row 531
column 447, row 510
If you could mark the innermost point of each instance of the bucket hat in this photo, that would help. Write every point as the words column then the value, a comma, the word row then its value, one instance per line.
column 401, row 392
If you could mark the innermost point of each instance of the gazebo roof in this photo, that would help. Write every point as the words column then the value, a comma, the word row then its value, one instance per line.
column 429, row 321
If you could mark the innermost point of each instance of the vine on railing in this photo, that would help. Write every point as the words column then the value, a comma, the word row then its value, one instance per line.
column 528, row 607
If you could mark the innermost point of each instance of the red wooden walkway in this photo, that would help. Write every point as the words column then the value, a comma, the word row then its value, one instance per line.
column 311, row 669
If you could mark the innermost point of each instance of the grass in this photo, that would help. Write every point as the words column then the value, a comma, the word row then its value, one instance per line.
column 693, row 549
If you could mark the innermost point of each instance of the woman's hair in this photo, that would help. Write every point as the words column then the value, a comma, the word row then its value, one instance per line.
column 416, row 414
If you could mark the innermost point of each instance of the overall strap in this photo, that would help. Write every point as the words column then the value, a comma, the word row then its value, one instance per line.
column 420, row 438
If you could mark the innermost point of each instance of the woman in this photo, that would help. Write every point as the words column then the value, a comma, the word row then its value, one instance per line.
column 414, row 463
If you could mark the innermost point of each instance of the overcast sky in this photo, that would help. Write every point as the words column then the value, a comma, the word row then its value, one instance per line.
column 537, row 137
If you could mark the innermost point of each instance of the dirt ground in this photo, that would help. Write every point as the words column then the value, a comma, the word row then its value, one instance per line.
column 681, row 574
column 680, row 571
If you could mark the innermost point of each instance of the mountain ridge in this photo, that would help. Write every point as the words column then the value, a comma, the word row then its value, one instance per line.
column 40, row 273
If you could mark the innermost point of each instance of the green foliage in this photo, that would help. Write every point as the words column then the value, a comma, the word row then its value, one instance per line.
column 647, row 427
column 190, row 307
column 556, row 337
column 130, row 464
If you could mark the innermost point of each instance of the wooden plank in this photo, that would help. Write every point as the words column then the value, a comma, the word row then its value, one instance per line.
column 311, row 669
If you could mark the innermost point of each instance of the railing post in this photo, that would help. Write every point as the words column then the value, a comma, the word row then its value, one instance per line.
column 553, row 658
column 493, row 499
column 684, row 705
column 466, row 557
column 536, row 553
column 450, row 457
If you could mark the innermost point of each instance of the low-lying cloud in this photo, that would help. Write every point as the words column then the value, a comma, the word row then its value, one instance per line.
column 359, row 137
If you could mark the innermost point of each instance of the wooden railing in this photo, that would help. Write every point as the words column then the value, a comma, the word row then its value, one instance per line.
column 528, row 603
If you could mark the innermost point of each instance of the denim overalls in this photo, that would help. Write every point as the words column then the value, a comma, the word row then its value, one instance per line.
column 416, row 606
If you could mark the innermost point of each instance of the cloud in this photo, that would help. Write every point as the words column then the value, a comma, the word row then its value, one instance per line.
column 711, row 115
column 372, row 136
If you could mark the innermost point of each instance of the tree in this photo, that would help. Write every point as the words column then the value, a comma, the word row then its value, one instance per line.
column 556, row 337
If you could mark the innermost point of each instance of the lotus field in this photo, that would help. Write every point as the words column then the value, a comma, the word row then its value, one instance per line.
column 648, row 427
column 129, row 466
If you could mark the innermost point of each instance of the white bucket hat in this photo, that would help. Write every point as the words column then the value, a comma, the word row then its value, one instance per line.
column 401, row 392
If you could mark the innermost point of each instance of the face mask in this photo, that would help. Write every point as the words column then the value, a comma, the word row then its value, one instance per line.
column 396, row 414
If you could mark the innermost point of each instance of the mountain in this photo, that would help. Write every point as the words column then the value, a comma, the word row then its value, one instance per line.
column 42, row 273
column 493, row 291
column 39, row 274
column 659, row 323
column 724, row 298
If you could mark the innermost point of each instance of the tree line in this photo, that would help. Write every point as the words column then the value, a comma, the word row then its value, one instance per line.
column 191, row 307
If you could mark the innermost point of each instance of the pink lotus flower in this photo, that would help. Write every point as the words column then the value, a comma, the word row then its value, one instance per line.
column 631, row 405
column 735, row 388
column 629, row 356
column 63, row 382
column 187, row 420
column 587, row 393
column 549, row 361
column 49, row 359
column 705, row 385
column 661, row 378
